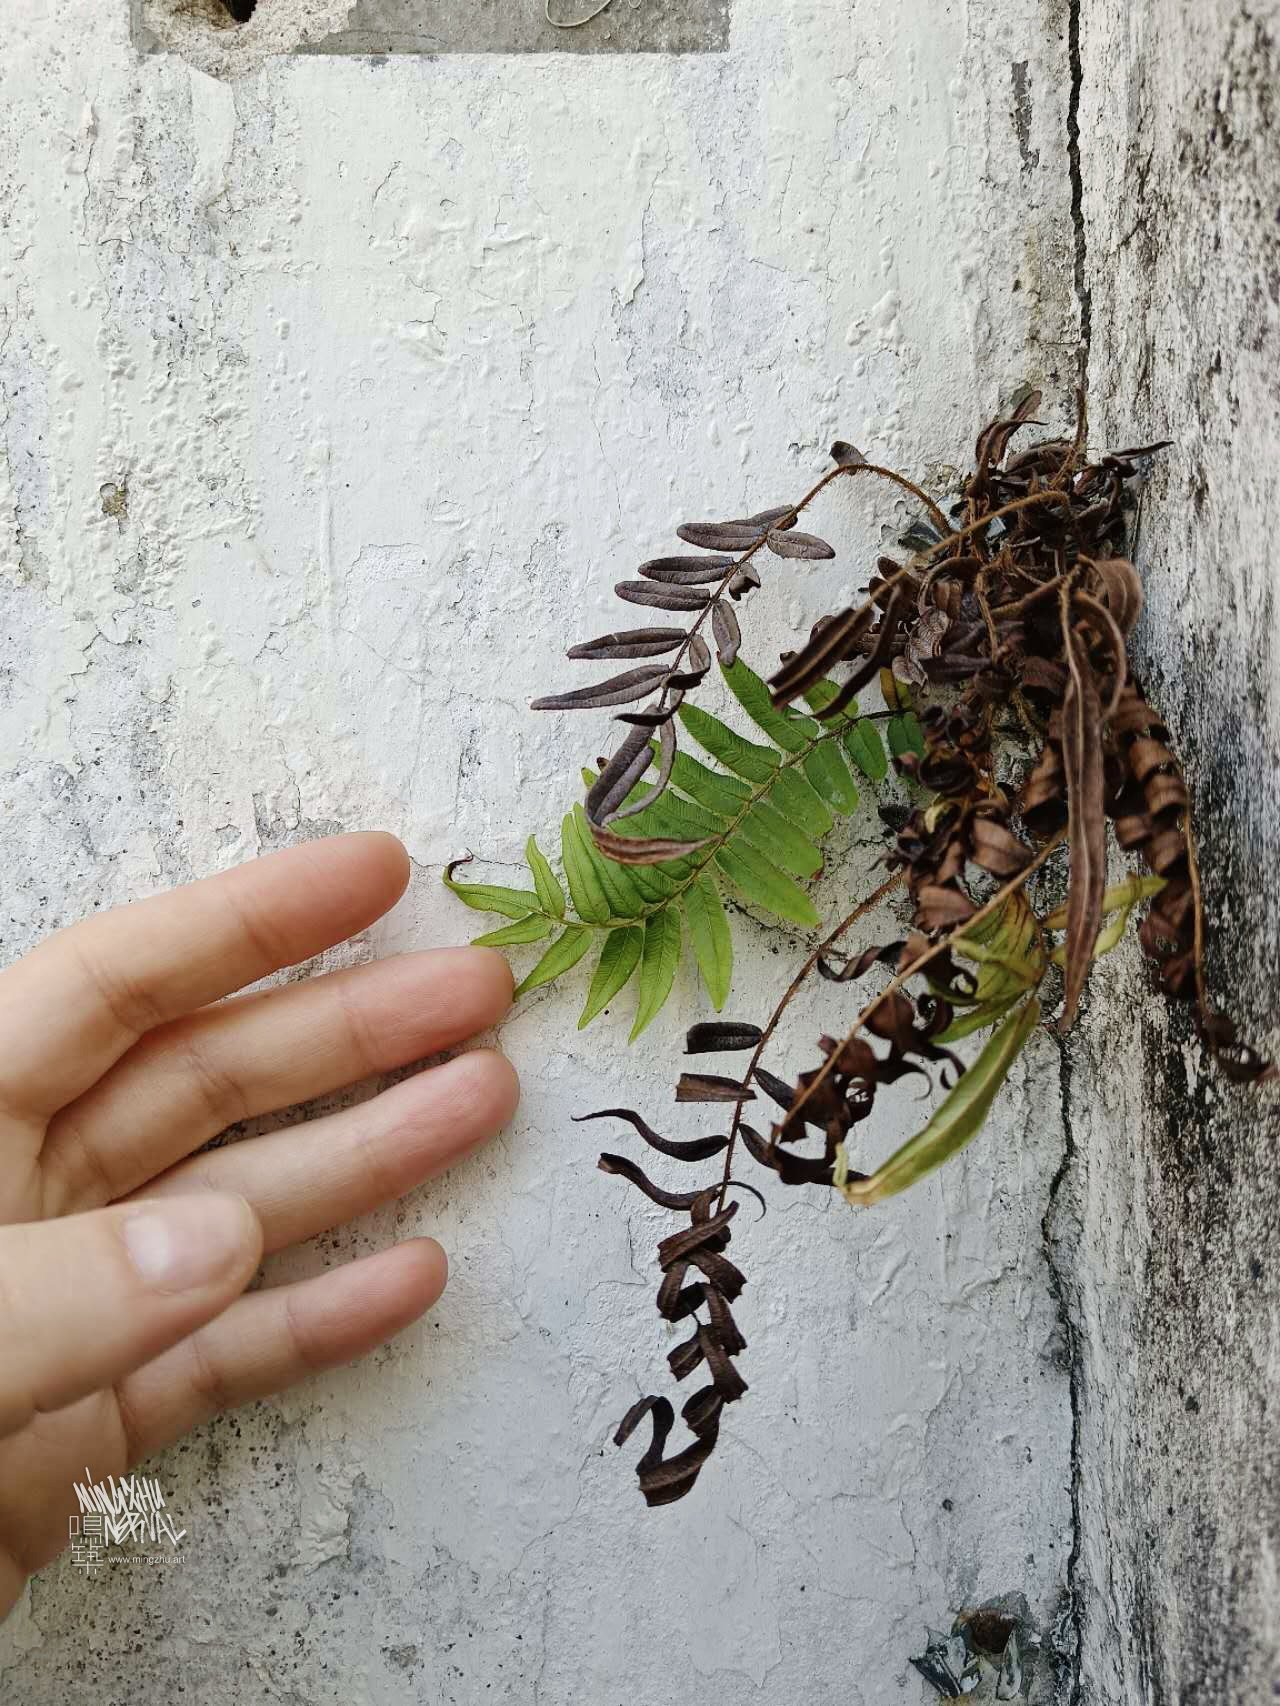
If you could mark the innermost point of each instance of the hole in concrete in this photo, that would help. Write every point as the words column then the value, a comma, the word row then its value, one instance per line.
column 240, row 10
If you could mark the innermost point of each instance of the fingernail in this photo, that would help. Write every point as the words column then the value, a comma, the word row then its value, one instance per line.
column 189, row 1241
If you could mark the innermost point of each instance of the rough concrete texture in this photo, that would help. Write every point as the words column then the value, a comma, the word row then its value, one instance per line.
column 336, row 395
column 205, row 33
column 1169, row 1212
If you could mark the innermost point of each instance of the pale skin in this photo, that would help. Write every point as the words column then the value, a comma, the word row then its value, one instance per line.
column 124, row 1253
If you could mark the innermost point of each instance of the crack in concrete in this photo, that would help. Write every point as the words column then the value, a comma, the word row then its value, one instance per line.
column 1084, row 296
column 1068, row 1683
column 1068, row 1687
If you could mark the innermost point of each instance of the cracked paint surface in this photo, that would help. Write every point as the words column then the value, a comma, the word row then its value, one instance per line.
column 335, row 398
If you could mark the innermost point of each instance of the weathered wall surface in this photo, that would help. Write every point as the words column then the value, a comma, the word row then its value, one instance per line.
column 336, row 393
column 1169, row 1214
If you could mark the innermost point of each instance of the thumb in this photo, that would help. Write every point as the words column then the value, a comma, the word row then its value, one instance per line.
column 86, row 1299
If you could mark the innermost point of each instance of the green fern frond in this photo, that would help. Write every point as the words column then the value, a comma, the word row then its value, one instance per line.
column 761, row 809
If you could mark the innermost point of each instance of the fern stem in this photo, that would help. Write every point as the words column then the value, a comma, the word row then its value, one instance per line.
column 723, row 837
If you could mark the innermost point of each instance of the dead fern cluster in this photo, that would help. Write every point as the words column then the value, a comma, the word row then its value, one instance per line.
column 1013, row 715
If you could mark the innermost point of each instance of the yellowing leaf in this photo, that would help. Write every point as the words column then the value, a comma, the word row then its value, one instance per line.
column 960, row 1117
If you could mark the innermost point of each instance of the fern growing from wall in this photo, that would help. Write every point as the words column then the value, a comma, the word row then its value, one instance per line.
column 1014, row 725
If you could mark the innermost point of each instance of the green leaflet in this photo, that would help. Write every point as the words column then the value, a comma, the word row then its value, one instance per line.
column 790, row 730
column 1008, row 949
column 488, row 897
column 1117, row 904
column 623, row 898
column 830, row 777
column 776, row 839
column 905, row 735
column 753, row 763
column 673, row 816
column 904, row 731
column 659, row 957
column 863, row 744
column 531, row 929
column 764, row 884
column 711, row 938
column 796, row 798
column 861, row 738
column 655, row 882
column 786, row 729
column 618, row 959
column 550, row 894
column 762, row 809
column 567, row 949
column 589, row 899
column 959, row 1118
column 723, row 795
column 977, row 1019
column 820, row 696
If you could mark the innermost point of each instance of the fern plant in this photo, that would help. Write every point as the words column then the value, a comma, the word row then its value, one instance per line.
column 1014, row 718
column 753, row 818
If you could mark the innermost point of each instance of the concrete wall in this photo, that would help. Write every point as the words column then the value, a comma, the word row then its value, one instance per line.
column 336, row 392
column 1170, row 1209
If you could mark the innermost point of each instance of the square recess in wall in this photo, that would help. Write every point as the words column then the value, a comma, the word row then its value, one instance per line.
column 376, row 27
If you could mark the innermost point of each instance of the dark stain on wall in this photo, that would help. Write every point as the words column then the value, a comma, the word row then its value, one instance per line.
column 1178, row 1351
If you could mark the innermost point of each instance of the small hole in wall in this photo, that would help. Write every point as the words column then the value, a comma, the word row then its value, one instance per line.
column 240, row 10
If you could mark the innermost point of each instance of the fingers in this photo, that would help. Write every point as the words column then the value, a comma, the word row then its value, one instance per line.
column 82, row 997
column 316, row 1175
column 86, row 1299
column 182, row 1084
column 270, row 1339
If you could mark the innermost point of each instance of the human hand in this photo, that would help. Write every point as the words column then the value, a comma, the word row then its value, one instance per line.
column 123, row 1254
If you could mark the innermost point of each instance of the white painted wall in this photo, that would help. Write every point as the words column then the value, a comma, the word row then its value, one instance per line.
column 400, row 366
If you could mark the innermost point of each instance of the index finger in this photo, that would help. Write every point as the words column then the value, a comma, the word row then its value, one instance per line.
column 84, row 996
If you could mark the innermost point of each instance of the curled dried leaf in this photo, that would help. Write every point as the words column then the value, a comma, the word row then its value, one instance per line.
column 727, row 633
column 686, row 571
column 720, row 1036
column 632, row 643
column 618, row 690
column 619, row 776
column 847, row 455
column 708, row 1087
column 635, row 1175
column 722, row 535
column 662, row 597
column 641, row 850
column 1086, row 808
column 806, row 546
column 679, row 1149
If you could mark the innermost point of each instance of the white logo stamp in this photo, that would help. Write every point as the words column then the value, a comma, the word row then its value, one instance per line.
column 123, row 1521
